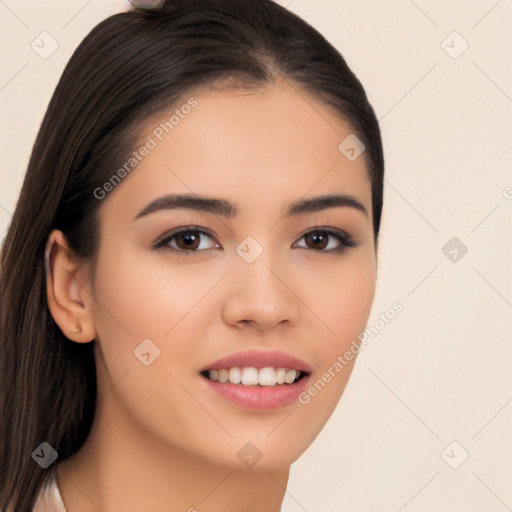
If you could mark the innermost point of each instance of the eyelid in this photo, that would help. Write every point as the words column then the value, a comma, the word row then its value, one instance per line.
column 342, row 236
column 346, row 241
column 161, row 241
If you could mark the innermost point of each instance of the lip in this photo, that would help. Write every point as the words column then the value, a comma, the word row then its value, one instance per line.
column 259, row 397
column 259, row 359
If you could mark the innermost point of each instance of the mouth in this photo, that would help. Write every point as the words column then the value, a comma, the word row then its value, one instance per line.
column 252, row 376
column 257, row 379
column 242, row 390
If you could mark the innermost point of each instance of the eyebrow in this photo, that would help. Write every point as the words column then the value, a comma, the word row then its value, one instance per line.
column 224, row 208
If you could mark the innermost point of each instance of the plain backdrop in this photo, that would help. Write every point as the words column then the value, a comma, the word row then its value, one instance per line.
column 425, row 421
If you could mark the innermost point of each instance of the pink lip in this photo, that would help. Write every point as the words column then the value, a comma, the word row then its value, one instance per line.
column 259, row 397
column 260, row 359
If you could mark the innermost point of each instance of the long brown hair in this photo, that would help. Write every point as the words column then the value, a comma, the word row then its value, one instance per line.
column 128, row 68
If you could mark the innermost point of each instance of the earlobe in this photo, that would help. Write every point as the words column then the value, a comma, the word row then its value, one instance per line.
column 68, row 299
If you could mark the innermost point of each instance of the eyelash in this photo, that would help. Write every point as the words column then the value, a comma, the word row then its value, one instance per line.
column 162, row 243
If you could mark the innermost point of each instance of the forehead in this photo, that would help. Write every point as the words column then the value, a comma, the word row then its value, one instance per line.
column 271, row 143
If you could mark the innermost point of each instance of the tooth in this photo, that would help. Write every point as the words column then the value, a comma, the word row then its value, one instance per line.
column 281, row 372
column 223, row 375
column 267, row 377
column 250, row 376
column 235, row 375
column 290, row 376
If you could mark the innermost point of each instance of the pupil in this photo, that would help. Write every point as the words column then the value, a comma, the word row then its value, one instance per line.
column 189, row 239
column 316, row 237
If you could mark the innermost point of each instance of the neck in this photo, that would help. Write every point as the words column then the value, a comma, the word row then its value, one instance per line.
column 125, row 468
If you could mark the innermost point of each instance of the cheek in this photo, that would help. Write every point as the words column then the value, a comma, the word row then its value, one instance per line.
column 136, row 302
column 342, row 298
column 344, row 306
column 144, row 295
column 354, row 298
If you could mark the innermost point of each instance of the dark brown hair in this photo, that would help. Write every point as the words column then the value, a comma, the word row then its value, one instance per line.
column 130, row 67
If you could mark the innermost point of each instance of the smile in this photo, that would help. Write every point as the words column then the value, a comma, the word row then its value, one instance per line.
column 251, row 376
column 245, row 393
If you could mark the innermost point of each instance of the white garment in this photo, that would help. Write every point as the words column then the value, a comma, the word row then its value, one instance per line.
column 49, row 499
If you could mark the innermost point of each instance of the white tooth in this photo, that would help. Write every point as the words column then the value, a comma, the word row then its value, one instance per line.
column 235, row 375
column 280, row 373
column 290, row 376
column 223, row 375
column 267, row 377
column 249, row 376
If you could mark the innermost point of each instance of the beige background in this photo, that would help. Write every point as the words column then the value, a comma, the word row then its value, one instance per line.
column 440, row 371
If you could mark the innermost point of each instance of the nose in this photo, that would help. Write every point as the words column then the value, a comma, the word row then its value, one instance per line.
column 260, row 296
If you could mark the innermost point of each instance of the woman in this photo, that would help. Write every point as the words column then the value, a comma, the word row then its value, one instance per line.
column 193, row 247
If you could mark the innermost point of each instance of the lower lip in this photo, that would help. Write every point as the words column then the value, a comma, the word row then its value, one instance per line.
column 259, row 397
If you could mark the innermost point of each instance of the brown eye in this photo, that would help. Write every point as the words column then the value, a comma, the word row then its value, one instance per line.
column 318, row 239
column 185, row 241
column 327, row 240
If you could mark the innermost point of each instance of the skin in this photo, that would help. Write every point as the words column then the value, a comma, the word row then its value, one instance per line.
column 161, row 440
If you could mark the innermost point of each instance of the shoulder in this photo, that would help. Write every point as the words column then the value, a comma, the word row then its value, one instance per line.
column 49, row 498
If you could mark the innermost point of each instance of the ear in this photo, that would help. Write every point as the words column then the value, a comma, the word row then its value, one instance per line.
column 69, row 298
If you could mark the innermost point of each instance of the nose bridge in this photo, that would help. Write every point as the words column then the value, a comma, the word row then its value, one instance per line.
column 259, row 293
column 258, row 277
column 256, row 272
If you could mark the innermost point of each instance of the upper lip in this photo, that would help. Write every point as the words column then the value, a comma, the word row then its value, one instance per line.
column 259, row 359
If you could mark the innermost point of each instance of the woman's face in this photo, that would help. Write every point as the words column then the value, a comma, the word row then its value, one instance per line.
column 253, row 280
